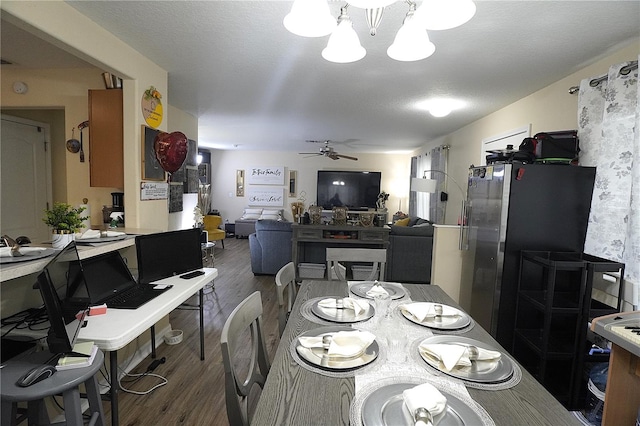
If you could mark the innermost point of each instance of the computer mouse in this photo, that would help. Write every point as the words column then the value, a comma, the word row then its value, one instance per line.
column 36, row 374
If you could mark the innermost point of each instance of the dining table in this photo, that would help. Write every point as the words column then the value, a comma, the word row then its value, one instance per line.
column 298, row 394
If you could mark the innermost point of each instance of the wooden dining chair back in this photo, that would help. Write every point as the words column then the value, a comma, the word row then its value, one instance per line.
column 286, row 291
column 378, row 257
column 242, row 370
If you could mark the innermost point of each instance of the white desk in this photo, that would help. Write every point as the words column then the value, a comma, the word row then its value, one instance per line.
column 118, row 327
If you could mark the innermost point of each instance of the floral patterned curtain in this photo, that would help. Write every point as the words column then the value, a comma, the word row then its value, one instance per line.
column 609, row 131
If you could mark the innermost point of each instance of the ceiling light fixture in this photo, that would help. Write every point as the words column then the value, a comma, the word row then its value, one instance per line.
column 344, row 45
column 311, row 18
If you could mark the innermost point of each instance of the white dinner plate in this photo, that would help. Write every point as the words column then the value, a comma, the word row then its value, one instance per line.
column 319, row 358
column 395, row 290
column 28, row 253
column 446, row 322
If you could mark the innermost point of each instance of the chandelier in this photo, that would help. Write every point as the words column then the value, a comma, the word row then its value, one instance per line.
column 312, row 18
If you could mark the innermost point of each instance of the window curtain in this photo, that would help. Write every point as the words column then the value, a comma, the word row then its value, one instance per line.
column 419, row 201
column 439, row 163
column 609, row 131
column 413, row 194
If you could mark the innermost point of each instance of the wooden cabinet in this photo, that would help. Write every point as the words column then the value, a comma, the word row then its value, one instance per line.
column 106, row 161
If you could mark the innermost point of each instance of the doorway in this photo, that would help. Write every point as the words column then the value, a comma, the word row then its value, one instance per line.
column 26, row 177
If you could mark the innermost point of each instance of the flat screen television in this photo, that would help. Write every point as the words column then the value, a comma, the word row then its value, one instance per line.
column 353, row 189
column 166, row 254
column 54, row 282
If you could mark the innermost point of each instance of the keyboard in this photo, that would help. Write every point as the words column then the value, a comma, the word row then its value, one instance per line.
column 620, row 329
column 134, row 297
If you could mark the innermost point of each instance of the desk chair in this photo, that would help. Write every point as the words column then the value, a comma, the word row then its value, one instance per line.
column 285, row 282
column 65, row 382
column 212, row 226
column 244, row 321
column 376, row 256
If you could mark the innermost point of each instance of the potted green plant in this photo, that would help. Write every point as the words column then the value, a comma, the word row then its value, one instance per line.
column 65, row 221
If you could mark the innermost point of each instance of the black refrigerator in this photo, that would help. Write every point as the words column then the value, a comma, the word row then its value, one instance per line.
column 510, row 208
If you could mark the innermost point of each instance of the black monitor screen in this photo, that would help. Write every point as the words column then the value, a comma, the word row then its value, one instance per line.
column 61, row 274
column 166, row 254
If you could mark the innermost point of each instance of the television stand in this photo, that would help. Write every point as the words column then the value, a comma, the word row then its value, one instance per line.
column 309, row 242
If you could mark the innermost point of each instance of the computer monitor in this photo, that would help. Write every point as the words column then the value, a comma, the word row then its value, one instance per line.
column 54, row 282
column 166, row 254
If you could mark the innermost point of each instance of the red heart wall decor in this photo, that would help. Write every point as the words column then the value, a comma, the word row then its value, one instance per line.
column 171, row 150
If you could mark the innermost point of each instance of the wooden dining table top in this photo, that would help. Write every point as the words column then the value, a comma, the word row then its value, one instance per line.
column 294, row 395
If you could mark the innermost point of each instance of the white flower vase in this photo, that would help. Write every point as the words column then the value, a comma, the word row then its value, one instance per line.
column 60, row 241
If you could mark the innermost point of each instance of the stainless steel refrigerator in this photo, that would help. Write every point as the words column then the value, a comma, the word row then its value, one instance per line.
column 510, row 208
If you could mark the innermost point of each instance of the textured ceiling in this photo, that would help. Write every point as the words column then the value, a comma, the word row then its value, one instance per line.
column 253, row 85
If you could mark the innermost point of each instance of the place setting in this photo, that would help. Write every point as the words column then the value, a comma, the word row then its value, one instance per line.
column 476, row 363
column 437, row 316
column 330, row 310
column 92, row 236
column 413, row 401
column 335, row 351
column 370, row 289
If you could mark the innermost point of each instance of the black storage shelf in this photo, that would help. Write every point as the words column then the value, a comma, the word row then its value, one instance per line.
column 553, row 308
column 558, row 346
column 562, row 302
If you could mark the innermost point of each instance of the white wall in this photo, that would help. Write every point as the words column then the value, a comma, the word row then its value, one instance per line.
column 395, row 170
column 549, row 109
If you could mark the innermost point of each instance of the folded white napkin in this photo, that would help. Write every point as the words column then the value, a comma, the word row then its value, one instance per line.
column 453, row 355
column 343, row 343
column 376, row 290
column 425, row 396
column 421, row 311
column 94, row 233
column 25, row 251
column 357, row 306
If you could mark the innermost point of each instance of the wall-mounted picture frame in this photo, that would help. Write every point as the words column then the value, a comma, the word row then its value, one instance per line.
column 203, row 173
column 175, row 197
column 292, row 183
column 239, row 183
column 269, row 175
column 151, row 168
column 264, row 196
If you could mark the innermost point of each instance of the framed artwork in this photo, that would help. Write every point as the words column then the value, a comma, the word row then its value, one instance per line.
column 151, row 169
column 239, row 183
column 292, row 183
column 203, row 173
column 192, row 153
column 261, row 196
column 265, row 176
column 192, row 183
column 175, row 197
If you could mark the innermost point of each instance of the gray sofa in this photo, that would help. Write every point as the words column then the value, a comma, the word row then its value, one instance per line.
column 270, row 246
column 246, row 224
column 410, row 252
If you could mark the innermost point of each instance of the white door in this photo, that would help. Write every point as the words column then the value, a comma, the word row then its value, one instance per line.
column 26, row 178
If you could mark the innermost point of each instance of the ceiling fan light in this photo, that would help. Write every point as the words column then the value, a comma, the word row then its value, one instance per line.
column 411, row 43
column 445, row 14
column 370, row 4
column 310, row 18
column 344, row 45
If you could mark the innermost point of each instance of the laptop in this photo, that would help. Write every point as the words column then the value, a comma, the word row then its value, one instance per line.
column 108, row 280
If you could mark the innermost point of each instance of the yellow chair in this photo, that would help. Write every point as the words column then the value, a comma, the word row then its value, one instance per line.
column 211, row 225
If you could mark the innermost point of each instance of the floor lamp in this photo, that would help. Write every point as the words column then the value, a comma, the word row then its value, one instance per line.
column 431, row 186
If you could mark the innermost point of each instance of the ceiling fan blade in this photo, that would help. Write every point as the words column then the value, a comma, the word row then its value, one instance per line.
column 309, row 153
column 345, row 156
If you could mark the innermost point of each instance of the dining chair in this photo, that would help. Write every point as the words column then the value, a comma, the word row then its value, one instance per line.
column 376, row 256
column 242, row 330
column 285, row 283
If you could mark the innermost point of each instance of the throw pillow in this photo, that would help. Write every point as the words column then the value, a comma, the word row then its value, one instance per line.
column 402, row 222
column 250, row 216
column 265, row 216
column 252, row 211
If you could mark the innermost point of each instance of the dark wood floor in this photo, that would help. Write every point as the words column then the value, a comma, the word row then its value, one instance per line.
column 194, row 394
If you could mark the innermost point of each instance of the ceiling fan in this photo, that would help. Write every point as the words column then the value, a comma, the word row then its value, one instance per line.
column 328, row 151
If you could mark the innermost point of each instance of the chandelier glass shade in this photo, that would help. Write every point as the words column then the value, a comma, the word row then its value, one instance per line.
column 412, row 41
column 310, row 18
column 344, row 45
column 444, row 14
